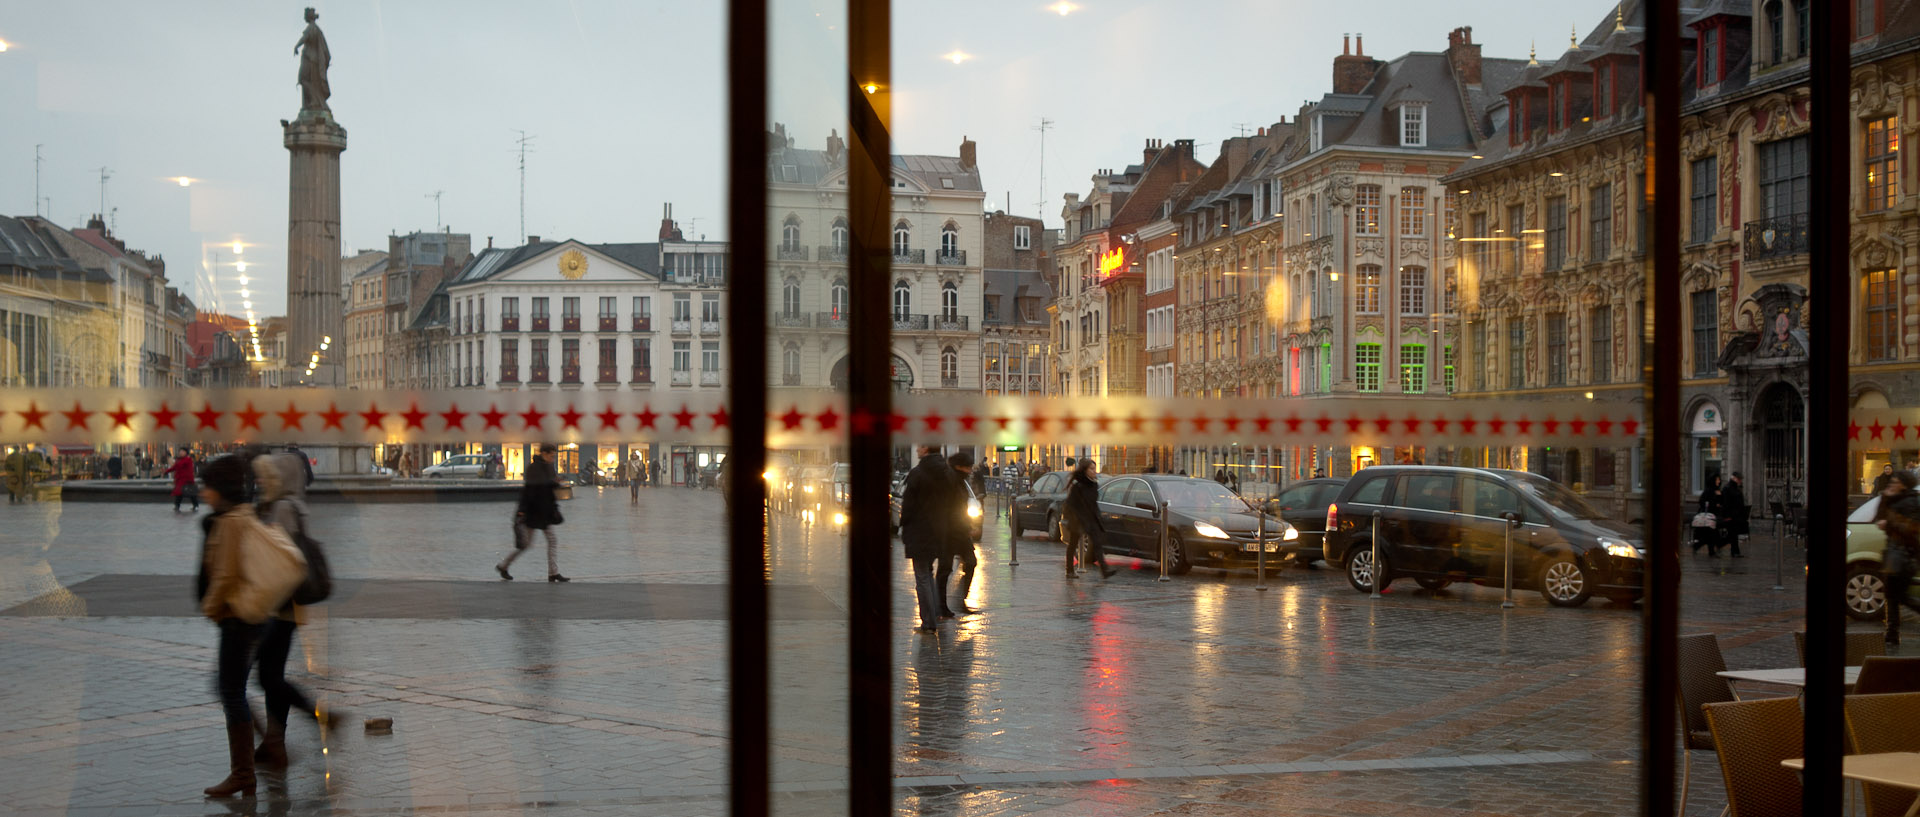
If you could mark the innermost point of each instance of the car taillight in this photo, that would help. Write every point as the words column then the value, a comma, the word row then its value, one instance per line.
column 1333, row 516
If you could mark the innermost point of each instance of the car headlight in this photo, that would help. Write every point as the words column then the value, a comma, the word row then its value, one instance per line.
column 1209, row 531
column 1291, row 534
column 973, row 508
column 1620, row 549
column 839, row 519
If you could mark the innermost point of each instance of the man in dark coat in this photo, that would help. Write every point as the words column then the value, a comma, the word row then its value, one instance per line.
column 1899, row 516
column 959, row 543
column 1733, row 501
column 925, row 516
column 539, row 510
column 1082, row 509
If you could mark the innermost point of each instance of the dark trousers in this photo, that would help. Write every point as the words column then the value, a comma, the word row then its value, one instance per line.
column 970, row 562
column 189, row 492
column 924, row 591
column 1898, row 584
column 282, row 696
column 1095, row 542
column 235, row 663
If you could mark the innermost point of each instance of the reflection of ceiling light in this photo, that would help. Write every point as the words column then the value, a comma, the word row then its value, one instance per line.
column 240, row 265
column 870, row 88
column 1556, row 174
column 1065, row 8
column 239, row 248
column 184, row 181
column 956, row 56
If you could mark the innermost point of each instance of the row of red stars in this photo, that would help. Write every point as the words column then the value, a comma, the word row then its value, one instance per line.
column 860, row 420
column 1875, row 431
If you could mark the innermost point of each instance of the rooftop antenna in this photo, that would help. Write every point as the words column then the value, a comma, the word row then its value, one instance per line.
column 693, row 225
column 435, row 195
column 525, row 142
column 36, row 178
column 1044, row 126
column 1242, row 127
column 104, row 175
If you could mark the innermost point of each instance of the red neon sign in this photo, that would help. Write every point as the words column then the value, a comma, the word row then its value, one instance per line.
column 1112, row 260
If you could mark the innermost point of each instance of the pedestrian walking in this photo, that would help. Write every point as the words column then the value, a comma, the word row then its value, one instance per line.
column 405, row 468
column 959, row 543
column 539, row 510
column 223, row 586
column 306, row 465
column 280, row 485
column 636, row 473
column 925, row 515
column 1880, row 481
column 1083, row 507
column 1733, row 500
column 113, row 467
column 1706, row 523
column 182, row 471
column 1899, row 516
column 1220, row 476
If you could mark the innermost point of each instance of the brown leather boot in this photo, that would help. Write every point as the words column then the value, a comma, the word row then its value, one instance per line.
column 272, row 753
column 240, row 759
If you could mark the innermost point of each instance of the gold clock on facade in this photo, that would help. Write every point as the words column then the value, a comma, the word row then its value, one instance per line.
column 573, row 264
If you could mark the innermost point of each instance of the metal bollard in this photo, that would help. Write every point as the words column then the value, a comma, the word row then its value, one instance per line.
column 1165, row 545
column 1779, row 555
column 1375, row 543
column 1013, row 542
column 1260, row 549
column 1512, row 522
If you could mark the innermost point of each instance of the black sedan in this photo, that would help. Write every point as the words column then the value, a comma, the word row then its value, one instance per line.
column 1304, row 506
column 1038, row 508
column 1206, row 523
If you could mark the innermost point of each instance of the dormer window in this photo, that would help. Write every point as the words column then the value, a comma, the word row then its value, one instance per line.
column 1603, row 91
column 1709, row 56
column 1413, row 126
column 1318, row 136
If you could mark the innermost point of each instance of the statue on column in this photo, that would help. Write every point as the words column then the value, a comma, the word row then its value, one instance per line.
column 314, row 59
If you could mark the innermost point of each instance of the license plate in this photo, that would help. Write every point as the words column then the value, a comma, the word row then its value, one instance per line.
column 1252, row 547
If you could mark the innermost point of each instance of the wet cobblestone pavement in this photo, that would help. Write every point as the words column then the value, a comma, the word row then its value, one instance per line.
column 1202, row 696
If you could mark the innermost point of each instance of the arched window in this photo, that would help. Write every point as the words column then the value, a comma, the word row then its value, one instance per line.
column 949, row 301
column 839, row 235
column 949, row 368
column 790, row 234
column 790, row 297
column 902, row 238
column 839, row 296
column 950, row 240
column 790, row 365
column 902, row 300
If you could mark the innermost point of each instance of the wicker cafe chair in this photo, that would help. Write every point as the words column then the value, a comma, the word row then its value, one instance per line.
column 1753, row 737
column 1885, row 723
column 1860, row 644
column 1700, row 659
column 1880, row 674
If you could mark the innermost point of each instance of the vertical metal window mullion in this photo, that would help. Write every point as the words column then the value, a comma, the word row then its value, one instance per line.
column 869, row 546
column 1660, row 662
column 748, row 704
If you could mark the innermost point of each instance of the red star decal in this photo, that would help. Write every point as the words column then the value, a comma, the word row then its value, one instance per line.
column 1577, row 425
column 1853, row 430
column 532, row 417
column 1467, row 424
column 1004, row 421
column 1900, row 429
column 896, row 422
column 77, row 418
column 721, row 419
column 861, row 420
column 493, row 415
column 1629, row 427
column 1263, row 422
column 454, row 418
column 683, row 418
column 290, row 418
column 968, row 421
column 933, row 421
column 792, row 419
column 373, row 416
column 1135, row 422
column 208, row 418
column 1037, row 422
column 1293, row 423
column 1103, row 422
column 1525, row 425
column 164, row 417
column 646, row 416
column 609, row 418
column 1231, row 422
column 570, row 418
column 1412, row 423
column 1497, row 424
column 1070, row 422
column 1605, row 426
column 1200, row 422
column 331, row 418
column 250, row 416
column 1354, row 422
column 1384, row 423
column 122, row 418
column 1440, row 424
column 415, row 417
column 35, row 418
column 1876, row 428
column 828, row 419
column 1552, row 425
column 1169, row 424
column 1324, row 422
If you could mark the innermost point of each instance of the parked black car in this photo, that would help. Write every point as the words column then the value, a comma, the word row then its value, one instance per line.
column 1207, row 524
column 1304, row 506
column 1039, row 507
column 1439, row 525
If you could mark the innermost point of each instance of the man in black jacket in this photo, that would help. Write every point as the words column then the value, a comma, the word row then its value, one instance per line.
column 925, row 516
column 539, row 510
column 959, row 545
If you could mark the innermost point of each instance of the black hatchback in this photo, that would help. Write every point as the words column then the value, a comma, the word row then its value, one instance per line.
column 1438, row 525
column 1206, row 523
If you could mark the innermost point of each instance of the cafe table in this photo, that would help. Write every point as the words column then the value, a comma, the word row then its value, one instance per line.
column 1900, row 769
column 1795, row 677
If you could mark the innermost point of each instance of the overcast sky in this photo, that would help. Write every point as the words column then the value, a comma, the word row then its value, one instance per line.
column 625, row 101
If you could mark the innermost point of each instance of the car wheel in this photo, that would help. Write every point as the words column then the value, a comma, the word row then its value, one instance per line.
column 1053, row 527
column 1177, row 562
column 1866, row 592
column 1360, row 568
column 1435, row 585
column 1564, row 583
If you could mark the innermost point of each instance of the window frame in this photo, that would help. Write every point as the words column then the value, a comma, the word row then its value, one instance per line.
column 1703, row 207
column 1366, row 367
column 1366, row 210
column 1886, row 161
column 1413, row 212
column 1366, row 289
column 1413, row 368
column 1600, row 221
column 1600, row 344
column 1413, row 291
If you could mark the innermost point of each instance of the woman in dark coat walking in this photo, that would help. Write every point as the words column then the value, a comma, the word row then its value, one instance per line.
column 539, row 510
column 1083, row 508
column 1733, row 524
column 926, row 513
column 1710, row 503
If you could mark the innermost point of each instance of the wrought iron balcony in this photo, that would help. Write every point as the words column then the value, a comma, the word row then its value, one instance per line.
column 609, row 323
column 792, row 319
column 643, row 323
column 682, row 377
column 510, row 323
column 949, row 382
column 829, row 253
column 539, row 375
column 709, row 378
column 609, row 374
column 569, row 374
column 541, row 323
column 951, row 258
column 909, row 323
column 790, row 252
column 1776, row 237
column 950, row 323
column 710, row 328
column 789, row 378
column 683, row 327
column 830, row 320
column 909, row 256
column 509, row 374
column 643, row 374
column 570, row 323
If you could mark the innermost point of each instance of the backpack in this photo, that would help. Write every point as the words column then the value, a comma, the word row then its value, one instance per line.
column 271, row 568
column 318, row 584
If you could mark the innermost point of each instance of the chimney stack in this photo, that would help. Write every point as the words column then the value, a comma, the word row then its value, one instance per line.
column 1346, row 44
column 533, row 239
column 968, row 154
column 1352, row 72
column 1464, row 54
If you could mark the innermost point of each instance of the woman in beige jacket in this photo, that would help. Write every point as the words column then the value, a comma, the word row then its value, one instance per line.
column 223, row 484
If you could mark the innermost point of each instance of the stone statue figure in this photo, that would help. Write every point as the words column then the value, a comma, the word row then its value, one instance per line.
column 314, row 59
